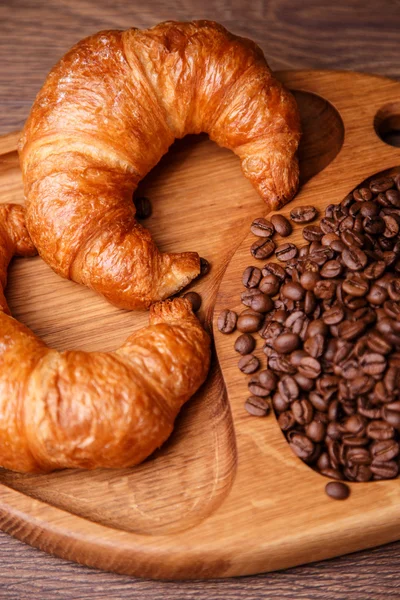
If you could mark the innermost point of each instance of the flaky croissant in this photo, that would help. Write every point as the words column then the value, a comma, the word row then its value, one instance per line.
column 107, row 113
column 92, row 409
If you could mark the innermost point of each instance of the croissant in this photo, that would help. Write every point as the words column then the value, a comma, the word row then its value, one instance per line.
column 92, row 409
column 107, row 113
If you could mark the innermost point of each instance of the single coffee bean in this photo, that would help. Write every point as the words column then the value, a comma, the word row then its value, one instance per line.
column 251, row 277
column 262, row 228
column 301, row 445
column 303, row 214
column 333, row 316
column 362, row 194
column 314, row 346
column 248, row 364
column 204, row 266
column 275, row 269
column 282, row 225
column 337, row 490
column 394, row 290
column 249, row 323
column 309, row 367
column 393, row 197
column 332, row 268
column 286, row 252
column 358, row 456
column 375, row 270
column 369, row 209
column 293, row 291
column 269, row 285
column 355, row 285
column 354, row 258
column 268, row 379
column 257, row 301
column 280, row 404
column 317, row 327
column 312, row 233
column 262, row 248
column 257, row 407
column 384, row 450
column 227, row 321
column 384, row 470
column 377, row 343
column 281, row 364
column 286, row 420
column 194, row 299
column 257, row 389
column 325, row 289
column 308, row 279
column 381, row 185
column 143, row 207
column 303, row 411
column 377, row 295
column 380, row 430
column 392, row 417
column 286, row 343
column 245, row 344
column 391, row 226
column 373, row 363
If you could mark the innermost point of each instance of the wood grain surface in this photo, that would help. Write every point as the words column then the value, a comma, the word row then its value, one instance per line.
column 352, row 35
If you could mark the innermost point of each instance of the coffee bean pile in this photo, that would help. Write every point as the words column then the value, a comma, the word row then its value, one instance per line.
column 328, row 314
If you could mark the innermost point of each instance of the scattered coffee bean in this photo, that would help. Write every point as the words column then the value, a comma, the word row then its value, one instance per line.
column 262, row 228
column 194, row 299
column 329, row 318
column 303, row 214
column 245, row 344
column 262, row 248
column 143, row 207
column 337, row 490
column 248, row 363
column 258, row 407
column 282, row 225
column 227, row 321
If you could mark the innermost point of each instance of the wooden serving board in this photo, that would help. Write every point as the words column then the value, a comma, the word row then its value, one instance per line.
column 225, row 495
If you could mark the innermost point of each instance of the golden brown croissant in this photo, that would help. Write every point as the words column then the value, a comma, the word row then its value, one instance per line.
column 107, row 113
column 92, row 409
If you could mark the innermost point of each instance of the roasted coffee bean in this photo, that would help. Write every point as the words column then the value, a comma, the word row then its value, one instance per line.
column 358, row 456
column 257, row 389
column 350, row 330
column 369, row 209
column 373, row 363
column 312, row 233
column 377, row 295
column 381, row 185
column 248, row 363
column 355, row 285
column 280, row 404
column 286, row 252
column 143, row 208
column 317, row 327
column 227, row 321
column 245, row 344
column 394, row 290
column 380, row 430
column 281, row 364
column 204, row 266
column 286, row 343
column 384, row 450
column 303, row 214
column 288, row 388
column 262, row 228
column 251, row 277
column 352, row 238
column 391, row 226
column 392, row 417
column 354, row 258
column 362, row 195
column 333, row 316
column 315, row 430
column 393, row 197
column 293, row 291
column 384, row 470
column 301, row 445
column 337, row 490
column 262, row 248
column 282, row 225
column 275, row 269
column 257, row 301
column 286, row 421
column 194, row 299
column 324, row 289
column 268, row 379
column 269, row 285
column 308, row 279
column 303, row 411
column 314, row 346
column 332, row 268
column 305, row 383
column 375, row 270
column 309, row 367
column 249, row 323
column 258, row 407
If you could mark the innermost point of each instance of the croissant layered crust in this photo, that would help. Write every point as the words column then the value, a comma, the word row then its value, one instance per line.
column 91, row 409
column 107, row 113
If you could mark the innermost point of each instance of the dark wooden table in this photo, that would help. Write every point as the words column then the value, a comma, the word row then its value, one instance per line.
column 361, row 35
